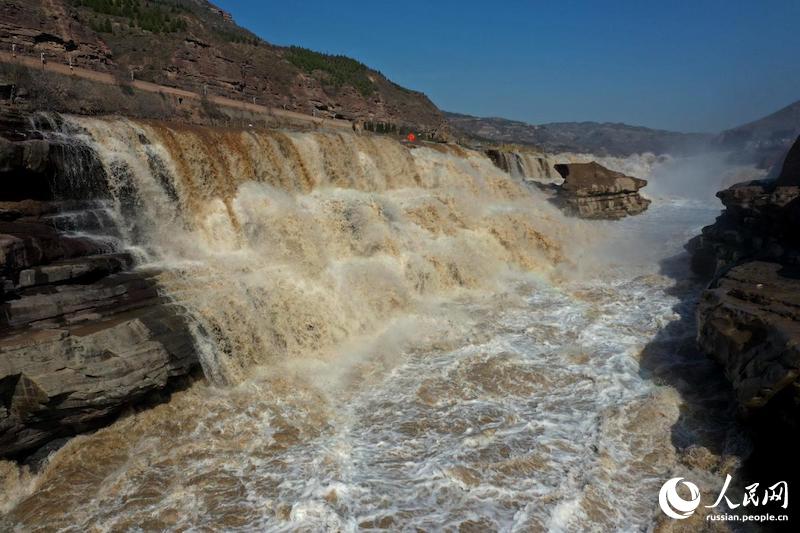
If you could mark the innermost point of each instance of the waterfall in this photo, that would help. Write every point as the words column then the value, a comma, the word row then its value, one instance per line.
column 283, row 244
column 530, row 164
column 405, row 329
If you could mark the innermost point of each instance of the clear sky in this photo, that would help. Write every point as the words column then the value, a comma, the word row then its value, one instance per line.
column 687, row 65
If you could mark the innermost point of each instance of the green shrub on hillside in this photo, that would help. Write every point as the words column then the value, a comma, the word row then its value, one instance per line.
column 341, row 70
column 101, row 25
column 144, row 16
column 239, row 37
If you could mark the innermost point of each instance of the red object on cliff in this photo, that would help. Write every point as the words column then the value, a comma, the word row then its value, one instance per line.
column 411, row 137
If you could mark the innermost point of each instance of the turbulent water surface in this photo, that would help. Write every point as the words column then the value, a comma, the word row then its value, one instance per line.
column 394, row 339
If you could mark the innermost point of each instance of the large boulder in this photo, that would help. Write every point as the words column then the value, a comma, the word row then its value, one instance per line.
column 590, row 190
column 593, row 179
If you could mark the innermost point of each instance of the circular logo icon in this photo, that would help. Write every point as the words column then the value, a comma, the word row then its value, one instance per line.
column 672, row 504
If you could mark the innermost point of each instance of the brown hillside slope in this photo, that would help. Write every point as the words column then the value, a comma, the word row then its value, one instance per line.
column 193, row 45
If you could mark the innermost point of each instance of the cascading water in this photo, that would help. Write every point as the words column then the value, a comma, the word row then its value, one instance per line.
column 282, row 245
column 394, row 338
column 530, row 165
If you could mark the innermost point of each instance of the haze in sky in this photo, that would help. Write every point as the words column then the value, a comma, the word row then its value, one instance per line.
column 698, row 65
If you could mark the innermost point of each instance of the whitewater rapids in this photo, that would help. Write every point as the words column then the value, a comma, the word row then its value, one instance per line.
column 393, row 339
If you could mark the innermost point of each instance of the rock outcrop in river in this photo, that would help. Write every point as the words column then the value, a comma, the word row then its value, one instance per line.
column 749, row 317
column 592, row 191
column 588, row 189
column 82, row 336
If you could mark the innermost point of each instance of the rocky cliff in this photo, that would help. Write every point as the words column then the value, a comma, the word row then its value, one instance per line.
column 759, row 223
column 749, row 317
column 83, row 333
column 592, row 191
column 193, row 45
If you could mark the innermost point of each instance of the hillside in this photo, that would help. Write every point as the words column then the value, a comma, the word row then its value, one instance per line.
column 193, row 45
column 613, row 139
column 761, row 142
column 765, row 140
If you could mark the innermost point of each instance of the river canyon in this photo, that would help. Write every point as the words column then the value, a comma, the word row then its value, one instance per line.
column 390, row 337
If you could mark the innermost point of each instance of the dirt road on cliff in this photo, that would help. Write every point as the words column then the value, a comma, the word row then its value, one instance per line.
column 103, row 77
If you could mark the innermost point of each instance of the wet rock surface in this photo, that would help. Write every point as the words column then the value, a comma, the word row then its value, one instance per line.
column 83, row 334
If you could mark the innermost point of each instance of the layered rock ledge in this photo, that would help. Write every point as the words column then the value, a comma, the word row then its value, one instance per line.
column 83, row 333
column 749, row 317
column 590, row 190
column 749, row 322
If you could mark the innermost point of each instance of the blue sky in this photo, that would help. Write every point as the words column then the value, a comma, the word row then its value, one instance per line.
column 683, row 65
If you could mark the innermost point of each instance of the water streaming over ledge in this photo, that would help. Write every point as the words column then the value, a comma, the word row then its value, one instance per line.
column 282, row 245
column 394, row 338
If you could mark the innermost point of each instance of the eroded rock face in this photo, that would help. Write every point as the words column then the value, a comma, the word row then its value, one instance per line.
column 83, row 334
column 749, row 322
column 589, row 190
column 592, row 191
column 749, row 317
column 759, row 222
column 51, row 28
